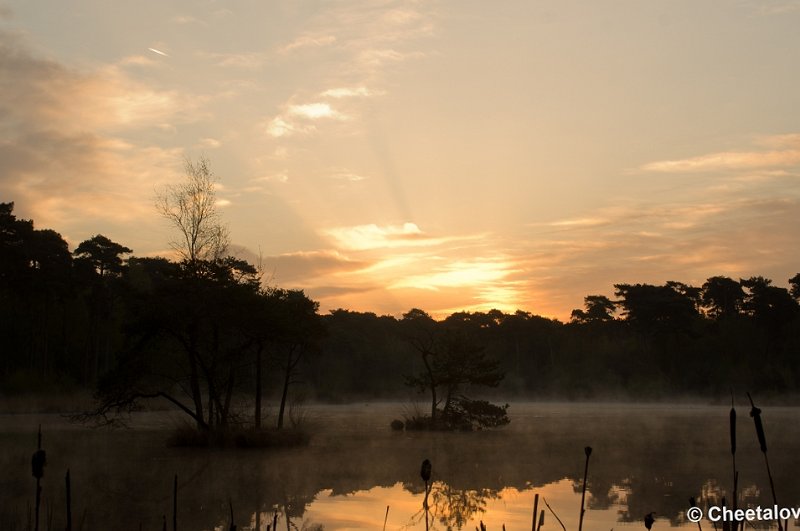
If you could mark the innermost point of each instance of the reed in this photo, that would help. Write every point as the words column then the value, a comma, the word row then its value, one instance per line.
column 69, row 501
column 732, row 423
column 554, row 513
column 425, row 474
column 693, row 503
column 233, row 524
column 588, row 452
column 385, row 518
column 38, row 462
column 535, row 511
column 762, row 441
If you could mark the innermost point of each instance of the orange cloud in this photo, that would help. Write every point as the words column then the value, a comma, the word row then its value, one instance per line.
column 737, row 160
column 64, row 158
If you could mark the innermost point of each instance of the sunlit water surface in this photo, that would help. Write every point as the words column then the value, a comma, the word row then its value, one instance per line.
column 646, row 458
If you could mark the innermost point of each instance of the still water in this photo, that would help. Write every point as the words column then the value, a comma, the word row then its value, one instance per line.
column 646, row 458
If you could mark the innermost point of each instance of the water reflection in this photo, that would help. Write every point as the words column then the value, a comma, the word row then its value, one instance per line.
column 646, row 459
column 453, row 509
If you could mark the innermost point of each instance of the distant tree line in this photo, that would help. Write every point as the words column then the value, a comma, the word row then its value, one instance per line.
column 650, row 342
column 203, row 331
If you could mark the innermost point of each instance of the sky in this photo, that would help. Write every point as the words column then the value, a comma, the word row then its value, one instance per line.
column 446, row 155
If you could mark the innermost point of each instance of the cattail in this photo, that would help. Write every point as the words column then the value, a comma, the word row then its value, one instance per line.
column 762, row 441
column 233, row 525
column 535, row 510
column 425, row 474
column 541, row 520
column 385, row 518
column 756, row 414
column 425, row 471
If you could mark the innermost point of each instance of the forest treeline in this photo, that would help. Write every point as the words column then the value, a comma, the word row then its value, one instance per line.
column 202, row 333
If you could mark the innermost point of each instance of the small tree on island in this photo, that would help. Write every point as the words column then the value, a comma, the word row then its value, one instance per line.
column 453, row 362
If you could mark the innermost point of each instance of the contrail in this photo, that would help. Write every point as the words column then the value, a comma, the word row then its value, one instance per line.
column 159, row 52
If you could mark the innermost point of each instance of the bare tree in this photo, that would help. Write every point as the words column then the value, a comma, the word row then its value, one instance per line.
column 191, row 207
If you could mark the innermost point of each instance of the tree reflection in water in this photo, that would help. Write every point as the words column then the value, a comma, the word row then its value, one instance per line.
column 454, row 508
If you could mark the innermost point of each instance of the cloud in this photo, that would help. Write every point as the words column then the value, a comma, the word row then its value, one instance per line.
column 474, row 273
column 309, row 41
column 188, row 19
column 789, row 155
column 339, row 291
column 372, row 236
column 379, row 57
column 579, row 222
column 350, row 92
column 360, row 41
column 245, row 61
column 64, row 158
column 138, row 60
column 345, row 175
column 733, row 235
column 300, row 118
column 407, row 267
column 307, row 266
column 209, row 143
column 279, row 177
column 314, row 111
column 281, row 127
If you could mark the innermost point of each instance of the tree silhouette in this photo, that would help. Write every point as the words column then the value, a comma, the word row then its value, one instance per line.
column 453, row 360
column 104, row 255
column 191, row 208
column 723, row 297
column 599, row 308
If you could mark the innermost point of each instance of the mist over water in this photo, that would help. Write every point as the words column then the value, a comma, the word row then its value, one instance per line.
column 646, row 458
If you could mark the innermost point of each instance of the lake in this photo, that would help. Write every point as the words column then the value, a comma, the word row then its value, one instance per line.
column 646, row 458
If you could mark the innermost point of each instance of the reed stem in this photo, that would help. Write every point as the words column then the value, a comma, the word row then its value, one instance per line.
column 588, row 452
column 175, row 503
column 762, row 441
column 554, row 513
column 69, row 502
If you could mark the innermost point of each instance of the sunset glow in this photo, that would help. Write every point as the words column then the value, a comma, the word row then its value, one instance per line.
column 442, row 155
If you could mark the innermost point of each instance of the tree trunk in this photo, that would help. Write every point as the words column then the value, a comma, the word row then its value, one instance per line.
column 287, row 377
column 228, row 395
column 283, row 399
column 258, row 388
column 432, row 382
column 197, row 393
